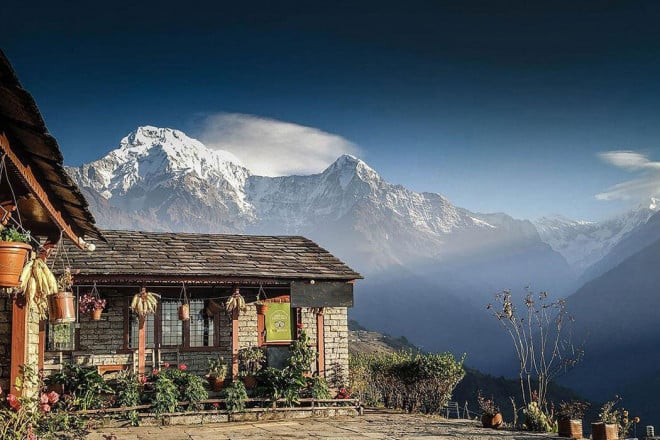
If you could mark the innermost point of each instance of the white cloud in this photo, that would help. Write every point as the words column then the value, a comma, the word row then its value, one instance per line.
column 644, row 186
column 268, row 147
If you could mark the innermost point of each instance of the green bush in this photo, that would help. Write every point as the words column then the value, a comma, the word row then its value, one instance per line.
column 84, row 387
column 185, row 387
column 414, row 382
column 235, row 396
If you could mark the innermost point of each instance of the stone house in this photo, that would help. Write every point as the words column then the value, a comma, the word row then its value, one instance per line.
column 36, row 195
column 304, row 285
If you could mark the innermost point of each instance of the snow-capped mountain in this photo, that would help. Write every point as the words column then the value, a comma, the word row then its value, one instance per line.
column 583, row 243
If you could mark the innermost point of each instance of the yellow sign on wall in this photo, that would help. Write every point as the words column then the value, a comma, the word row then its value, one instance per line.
column 279, row 325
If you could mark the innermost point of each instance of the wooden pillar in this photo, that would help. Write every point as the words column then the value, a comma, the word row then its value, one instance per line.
column 141, row 345
column 320, row 343
column 19, row 343
column 234, row 344
column 42, row 342
column 261, row 329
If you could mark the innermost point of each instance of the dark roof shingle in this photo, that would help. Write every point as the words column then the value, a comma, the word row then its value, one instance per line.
column 158, row 254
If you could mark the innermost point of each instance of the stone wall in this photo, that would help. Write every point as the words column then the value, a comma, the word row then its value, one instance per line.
column 101, row 342
column 336, row 344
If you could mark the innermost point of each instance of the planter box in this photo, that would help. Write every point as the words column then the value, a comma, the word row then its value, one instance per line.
column 604, row 431
column 570, row 428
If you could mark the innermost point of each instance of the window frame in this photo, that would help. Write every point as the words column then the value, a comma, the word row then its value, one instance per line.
column 185, row 346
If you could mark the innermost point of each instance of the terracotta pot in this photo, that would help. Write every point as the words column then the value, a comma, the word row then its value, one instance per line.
column 250, row 382
column 60, row 308
column 184, row 312
column 604, row 431
column 217, row 383
column 96, row 314
column 569, row 428
column 262, row 309
column 13, row 255
column 494, row 422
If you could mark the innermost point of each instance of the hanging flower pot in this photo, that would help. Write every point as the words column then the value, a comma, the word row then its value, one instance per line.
column 262, row 308
column 184, row 312
column 13, row 255
column 60, row 308
column 95, row 314
column 211, row 308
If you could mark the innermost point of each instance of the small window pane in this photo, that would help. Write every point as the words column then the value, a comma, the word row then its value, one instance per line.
column 201, row 326
column 148, row 327
column 172, row 328
column 61, row 337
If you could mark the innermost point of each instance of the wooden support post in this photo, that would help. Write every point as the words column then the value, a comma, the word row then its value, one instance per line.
column 19, row 343
column 42, row 343
column 320, row 343
column 141, row 345
column 234, row 344
column 261, row 330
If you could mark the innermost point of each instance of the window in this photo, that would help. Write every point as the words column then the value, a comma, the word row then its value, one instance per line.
column 61, row 337
column 149, row 330
column 201, row 326
column 164, row 329
column 171, row 326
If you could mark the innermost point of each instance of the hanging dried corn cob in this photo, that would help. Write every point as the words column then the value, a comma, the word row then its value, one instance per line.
column 144, row 303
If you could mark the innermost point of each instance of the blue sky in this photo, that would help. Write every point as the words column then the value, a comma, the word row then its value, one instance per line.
column 500, row 106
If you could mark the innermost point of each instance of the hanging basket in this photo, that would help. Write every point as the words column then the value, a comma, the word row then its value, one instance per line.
column 60, row 308
column 13, row 255
column 95, row 314
column 262, row 309
column 184, row 312
column 212, row 308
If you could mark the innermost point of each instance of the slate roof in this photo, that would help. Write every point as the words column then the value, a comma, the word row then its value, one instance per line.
column 186, row 255
column 26, row 131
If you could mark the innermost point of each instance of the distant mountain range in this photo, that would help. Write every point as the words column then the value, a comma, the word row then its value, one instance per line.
column 431, row 267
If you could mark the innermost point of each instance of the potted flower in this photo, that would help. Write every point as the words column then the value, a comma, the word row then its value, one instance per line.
column 260, row 304
column 218, row 369
column 60, row 304
column 490, row 413
column 14, row 252
column 250, row 361
column 608, row 426
column 92, row 304
column 569, row 418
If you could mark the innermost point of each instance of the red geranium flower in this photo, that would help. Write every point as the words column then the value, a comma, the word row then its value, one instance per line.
column 13, row 402
column 155, row 371
column 216, row 405
column 183, row 367
column 45, row 407
column 53, row 397
column 43, row 398
column 143, row 380
column 166, row 365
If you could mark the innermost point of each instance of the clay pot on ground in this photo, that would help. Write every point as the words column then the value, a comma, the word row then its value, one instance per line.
column 494, row 422
column 250, row 382
column 13, row 255
column 569, row 428
column 60, row 308
column 604, row 431
column 217, row 383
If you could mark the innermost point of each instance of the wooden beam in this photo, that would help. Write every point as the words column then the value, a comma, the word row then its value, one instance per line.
column 19, row 343
column 141, row 346
column 320, row 343
column 33, row 185
column 42, row 343
column 234, row 344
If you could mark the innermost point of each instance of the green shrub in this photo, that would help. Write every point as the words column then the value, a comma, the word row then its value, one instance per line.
column 412, row 381
column 235, row 396
column 83, row 386
column 536, row 420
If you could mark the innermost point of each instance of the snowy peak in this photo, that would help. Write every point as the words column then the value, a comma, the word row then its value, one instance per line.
column 347, row 167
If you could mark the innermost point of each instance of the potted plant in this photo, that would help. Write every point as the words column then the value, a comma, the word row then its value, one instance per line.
column 490, row 413
column 569, row 418
column 14, row 252
column 250, row 361
column 60, row 304
column 260, row 304
column 92, row 304
column 608, row 426
column 218, row 369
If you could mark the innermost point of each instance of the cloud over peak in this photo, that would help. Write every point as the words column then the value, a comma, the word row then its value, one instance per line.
column 644, row 186
column 269, row 147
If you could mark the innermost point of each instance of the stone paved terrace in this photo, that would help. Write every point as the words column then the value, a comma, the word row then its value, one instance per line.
column 374, row 424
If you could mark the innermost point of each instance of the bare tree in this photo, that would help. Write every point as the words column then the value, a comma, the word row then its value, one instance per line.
column 542, row 339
